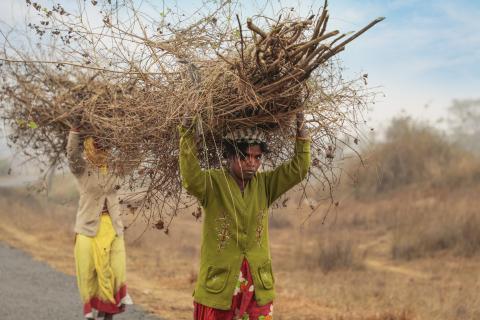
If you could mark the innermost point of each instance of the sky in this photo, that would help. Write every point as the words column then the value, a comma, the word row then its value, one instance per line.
column 425, row 54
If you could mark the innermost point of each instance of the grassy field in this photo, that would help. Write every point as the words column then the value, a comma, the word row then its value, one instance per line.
column 401, row 245
column 376, row 259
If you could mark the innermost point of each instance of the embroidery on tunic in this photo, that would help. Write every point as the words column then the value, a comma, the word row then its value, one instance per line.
column 259, row 229
column 223, row 233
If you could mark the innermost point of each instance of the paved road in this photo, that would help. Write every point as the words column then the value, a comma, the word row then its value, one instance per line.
column 32, row 290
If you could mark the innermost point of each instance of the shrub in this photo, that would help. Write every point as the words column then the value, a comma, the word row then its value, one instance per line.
column 413, row 154
column 279, row 221
column 334, row 251
column 336, row 255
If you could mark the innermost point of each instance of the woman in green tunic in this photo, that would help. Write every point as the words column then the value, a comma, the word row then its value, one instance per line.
column 235, row 201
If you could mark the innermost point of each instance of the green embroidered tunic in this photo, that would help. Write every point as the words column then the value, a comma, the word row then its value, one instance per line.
column 236, row 224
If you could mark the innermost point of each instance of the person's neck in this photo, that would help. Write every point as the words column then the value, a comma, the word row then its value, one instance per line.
column 240, row 182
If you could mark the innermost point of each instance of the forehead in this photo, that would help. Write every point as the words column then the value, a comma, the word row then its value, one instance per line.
column 254, row 150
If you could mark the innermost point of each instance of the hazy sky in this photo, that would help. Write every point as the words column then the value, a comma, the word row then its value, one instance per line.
column 425, row 54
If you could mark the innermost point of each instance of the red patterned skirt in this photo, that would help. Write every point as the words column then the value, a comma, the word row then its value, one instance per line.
column 244, row 306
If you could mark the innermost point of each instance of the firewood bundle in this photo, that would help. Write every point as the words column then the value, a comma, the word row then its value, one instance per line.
column 259, row 73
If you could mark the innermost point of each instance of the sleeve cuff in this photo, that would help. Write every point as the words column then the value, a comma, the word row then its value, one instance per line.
column 302, row 145
column 184, row 131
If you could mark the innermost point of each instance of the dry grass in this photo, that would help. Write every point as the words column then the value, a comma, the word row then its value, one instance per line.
column 419, row 162
column 431, row 227
column 384, row 283
column 403, row 315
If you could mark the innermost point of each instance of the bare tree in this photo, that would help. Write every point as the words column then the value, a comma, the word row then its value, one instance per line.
column 464, row 122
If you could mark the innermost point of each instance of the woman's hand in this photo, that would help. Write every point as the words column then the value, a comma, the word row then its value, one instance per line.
column 187, row 122
column 301, row 130
column 74, row 124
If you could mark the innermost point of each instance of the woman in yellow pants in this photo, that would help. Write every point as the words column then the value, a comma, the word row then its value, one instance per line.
column 99, row 244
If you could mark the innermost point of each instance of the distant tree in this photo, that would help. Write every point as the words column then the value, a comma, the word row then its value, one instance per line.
column 465, row 124
column 413, row 153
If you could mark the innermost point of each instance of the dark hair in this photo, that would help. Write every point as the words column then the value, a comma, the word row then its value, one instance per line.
column 234, row 148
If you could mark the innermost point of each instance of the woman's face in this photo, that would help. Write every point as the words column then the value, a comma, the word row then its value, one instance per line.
column 245, row 166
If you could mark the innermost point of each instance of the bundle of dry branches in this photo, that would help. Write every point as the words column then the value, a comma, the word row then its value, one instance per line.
column 133, row 92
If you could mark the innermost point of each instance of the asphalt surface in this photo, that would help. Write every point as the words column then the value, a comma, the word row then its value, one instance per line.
column 31, row 289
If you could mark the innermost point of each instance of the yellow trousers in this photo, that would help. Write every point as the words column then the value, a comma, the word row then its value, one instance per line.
column 100, row 266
